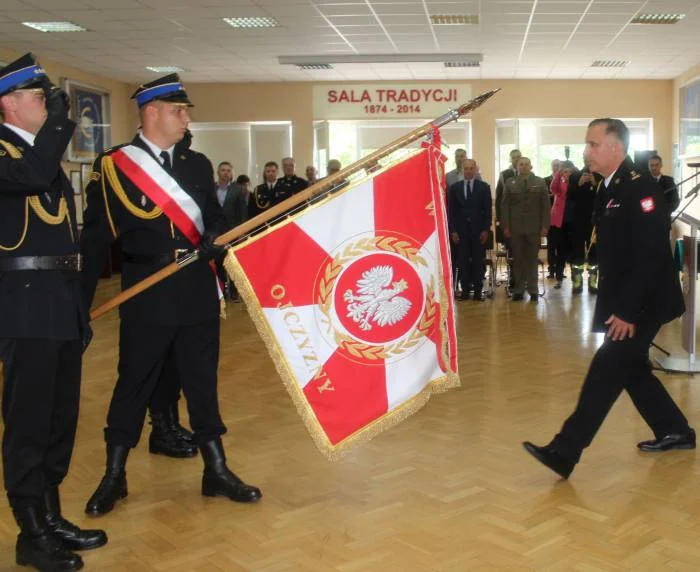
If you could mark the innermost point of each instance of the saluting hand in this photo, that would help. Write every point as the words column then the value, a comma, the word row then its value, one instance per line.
column 618, row 329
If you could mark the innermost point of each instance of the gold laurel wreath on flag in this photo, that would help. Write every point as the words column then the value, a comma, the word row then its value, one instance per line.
column 330, row 275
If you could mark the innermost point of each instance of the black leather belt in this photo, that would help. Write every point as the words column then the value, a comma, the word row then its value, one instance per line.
column 162, row 259
column 73, row 262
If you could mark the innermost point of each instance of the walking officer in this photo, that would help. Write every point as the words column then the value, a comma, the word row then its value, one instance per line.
column 639, row 291
column 159, row 199
column 43, row 324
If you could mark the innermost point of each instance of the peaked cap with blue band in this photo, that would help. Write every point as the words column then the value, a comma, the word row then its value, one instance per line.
column 167, row 88
column 23, row 73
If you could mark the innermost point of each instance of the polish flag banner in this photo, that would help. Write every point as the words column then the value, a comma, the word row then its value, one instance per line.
column 352, row 297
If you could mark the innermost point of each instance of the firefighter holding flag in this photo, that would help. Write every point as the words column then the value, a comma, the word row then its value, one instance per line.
column 158, row 199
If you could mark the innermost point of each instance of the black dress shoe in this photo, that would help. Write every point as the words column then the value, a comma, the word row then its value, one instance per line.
column 219, row 480
column 550, row 458
column 534, row 297
column 669, row 442
column 479, row 296
column 68, row 534
column 517, row 297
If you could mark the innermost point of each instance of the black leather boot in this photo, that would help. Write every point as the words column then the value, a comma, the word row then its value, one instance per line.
column 172, row 418
column 70, row 536
column 37, row 547
column 218, row 480
column 112, row 487
column 164, row 439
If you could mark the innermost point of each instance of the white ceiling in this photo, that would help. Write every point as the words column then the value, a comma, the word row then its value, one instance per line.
column 519, row 38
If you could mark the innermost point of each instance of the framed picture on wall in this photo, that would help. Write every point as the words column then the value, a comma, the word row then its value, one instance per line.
column 90, row 109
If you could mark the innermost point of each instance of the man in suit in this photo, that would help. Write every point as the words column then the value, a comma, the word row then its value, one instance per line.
column 525, row 215
column 666, row 182
column 469, row 216
column 159, row 200
column 457, row 173
column 230, row 195
column 233, row 200
column 639, row 292
column 43, row 322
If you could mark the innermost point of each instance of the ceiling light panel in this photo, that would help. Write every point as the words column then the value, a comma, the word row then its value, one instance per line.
column 454, row 19
column 315, row 66
column 165, row 69
column 252, row 23
column 609, row 64
column 54, row 26
column 462, row 64
column 658, row 19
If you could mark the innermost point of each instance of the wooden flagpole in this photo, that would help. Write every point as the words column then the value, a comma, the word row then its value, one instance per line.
column 316, row 189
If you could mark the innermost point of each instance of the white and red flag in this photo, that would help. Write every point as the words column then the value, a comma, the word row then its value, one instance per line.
column 352, row 298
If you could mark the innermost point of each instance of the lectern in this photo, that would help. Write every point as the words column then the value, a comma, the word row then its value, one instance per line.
column 689, row 318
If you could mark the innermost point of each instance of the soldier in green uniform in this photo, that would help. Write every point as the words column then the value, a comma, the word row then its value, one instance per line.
column 525, row 216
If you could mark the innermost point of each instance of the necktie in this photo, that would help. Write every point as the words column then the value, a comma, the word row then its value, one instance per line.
column 166, row 161
column 469, row 190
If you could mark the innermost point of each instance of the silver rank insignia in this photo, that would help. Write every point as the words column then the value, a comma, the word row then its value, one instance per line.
column 143, row 200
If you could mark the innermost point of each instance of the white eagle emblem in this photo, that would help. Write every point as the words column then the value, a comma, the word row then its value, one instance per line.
column 377, row 299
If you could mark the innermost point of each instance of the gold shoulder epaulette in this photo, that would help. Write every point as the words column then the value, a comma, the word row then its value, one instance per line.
column 9, row 149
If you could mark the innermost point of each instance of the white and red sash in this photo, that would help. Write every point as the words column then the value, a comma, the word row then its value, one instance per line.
column 144, row 170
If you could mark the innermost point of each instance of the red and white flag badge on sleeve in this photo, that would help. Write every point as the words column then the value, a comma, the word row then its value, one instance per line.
column 352, row 298
column 648, row 204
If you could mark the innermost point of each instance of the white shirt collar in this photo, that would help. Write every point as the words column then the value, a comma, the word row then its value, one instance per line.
column 157, row 150
column 28, row 137
column 608, row 179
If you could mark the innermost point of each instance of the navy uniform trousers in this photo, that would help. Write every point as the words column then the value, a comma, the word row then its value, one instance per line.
column 144, row 350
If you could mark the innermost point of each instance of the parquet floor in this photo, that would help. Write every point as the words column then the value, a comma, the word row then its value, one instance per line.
column 449, row 489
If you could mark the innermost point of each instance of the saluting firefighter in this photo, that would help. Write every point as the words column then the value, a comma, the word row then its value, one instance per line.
column 43, row 323
column 639, row 291
column 159, row 199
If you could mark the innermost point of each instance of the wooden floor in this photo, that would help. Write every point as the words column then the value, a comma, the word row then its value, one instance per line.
column 449, row 489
